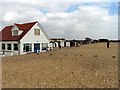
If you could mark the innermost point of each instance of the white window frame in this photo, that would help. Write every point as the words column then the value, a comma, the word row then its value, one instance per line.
column 15, row 31
column 14, row 47
column 4, row 46
column 35, row 31
column 10, row 46
column 27, row 44
column 44, row 47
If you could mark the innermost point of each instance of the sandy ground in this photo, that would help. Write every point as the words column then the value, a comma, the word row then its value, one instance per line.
column 87, row 66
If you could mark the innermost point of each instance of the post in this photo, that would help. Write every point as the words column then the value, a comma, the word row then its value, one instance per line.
column 59, row 45
column 18, row 47
column 108, row 43
column 64, row 43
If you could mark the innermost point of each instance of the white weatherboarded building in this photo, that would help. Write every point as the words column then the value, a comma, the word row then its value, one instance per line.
column 23, row 38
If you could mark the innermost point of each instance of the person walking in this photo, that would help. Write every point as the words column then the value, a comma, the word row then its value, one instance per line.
column 108, row 44
column 59, row 45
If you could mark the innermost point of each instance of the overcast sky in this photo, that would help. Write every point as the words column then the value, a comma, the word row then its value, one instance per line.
column 65, row 19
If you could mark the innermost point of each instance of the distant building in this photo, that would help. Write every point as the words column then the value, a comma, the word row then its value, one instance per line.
column 103, row 40
column 88, row 40
column 56, row 41
column 24, row 38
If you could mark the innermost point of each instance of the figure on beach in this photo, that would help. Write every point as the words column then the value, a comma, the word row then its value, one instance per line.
column 59, row 45
column 77, row 44
column 37, row 50
column 108, row 44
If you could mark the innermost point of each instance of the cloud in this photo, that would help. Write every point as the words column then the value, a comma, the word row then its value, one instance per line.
column 36, row 1
column 69, row 20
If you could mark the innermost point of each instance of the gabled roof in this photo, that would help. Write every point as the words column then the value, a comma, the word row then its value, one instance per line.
column 7, row 34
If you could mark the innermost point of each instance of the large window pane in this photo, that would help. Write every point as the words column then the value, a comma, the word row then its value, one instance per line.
column 15, row 46
column 30, row 47
column 37, row 31
column 9, row 47
column 3, row 46
column 27, row 47
column 44, row 46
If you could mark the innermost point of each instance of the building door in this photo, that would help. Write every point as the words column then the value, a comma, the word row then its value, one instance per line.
column 55, row 45
column 36, row 47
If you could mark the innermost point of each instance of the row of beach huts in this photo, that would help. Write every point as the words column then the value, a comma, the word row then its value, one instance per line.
column 56, row 42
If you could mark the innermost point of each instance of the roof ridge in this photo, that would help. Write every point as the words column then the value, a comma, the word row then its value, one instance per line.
column 27, row 23
column 9, row 26
column 16, row 23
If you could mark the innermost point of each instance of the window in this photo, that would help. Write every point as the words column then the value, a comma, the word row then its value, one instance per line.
column 15, row 46
column 27, row 47
column 9, row 47
column 15, row 32
column 36, row 31
column 44, row 46
column 3, row 46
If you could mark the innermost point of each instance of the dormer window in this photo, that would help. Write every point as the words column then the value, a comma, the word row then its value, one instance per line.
column 36, row 31
column 15, row 32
